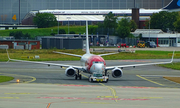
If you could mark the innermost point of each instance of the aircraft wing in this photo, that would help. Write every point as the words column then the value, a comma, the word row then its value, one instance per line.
column 45, row 63
column 67, row 54
column 134, row 65
column 108, row 54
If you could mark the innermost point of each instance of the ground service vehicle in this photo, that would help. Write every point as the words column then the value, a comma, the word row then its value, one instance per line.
column 151, row 44
column 141, row 44
column 98, row 77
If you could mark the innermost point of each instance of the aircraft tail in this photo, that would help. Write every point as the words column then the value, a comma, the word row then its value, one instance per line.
column 87, row 39
column 174, row 4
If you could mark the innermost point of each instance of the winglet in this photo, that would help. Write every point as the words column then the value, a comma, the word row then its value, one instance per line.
column 7, row 55
column 172, row 56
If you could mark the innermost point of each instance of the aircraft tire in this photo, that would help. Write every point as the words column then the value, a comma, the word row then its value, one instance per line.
column 80, row 77
column 76, row 77
column 91, row 80
column 106, row 81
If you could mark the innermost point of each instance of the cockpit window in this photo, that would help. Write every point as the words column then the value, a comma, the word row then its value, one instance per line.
column 95, row 62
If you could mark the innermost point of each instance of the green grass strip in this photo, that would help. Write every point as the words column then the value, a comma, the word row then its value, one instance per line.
column 45, row 31
column 5, row 78
column 48, row 55
column 175, row 66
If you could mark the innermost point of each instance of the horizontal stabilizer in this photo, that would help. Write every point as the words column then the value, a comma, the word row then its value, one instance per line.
column 67, row 54
column 108, row 54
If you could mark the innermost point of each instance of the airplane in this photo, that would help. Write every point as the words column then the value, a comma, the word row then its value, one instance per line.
column 90, row 63
column 174, row 5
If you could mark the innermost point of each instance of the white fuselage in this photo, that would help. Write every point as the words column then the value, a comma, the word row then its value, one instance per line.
column 93, row 63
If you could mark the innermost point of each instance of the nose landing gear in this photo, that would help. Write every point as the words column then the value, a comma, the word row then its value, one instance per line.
column 78, row 76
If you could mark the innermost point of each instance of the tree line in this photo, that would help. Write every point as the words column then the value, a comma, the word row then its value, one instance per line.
column 111, row 25
column 163, row 20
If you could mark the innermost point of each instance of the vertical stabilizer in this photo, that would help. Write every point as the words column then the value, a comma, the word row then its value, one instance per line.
column 87, row 39
column 174, row 4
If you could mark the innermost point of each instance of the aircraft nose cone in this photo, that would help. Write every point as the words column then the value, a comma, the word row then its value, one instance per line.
column 99, row 67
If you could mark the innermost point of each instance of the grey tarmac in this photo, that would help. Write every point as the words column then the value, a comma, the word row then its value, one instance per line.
column 47, row 87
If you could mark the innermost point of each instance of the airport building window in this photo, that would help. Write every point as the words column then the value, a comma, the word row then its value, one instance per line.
column 115, row 0
column 116, row 5
column 67, row 1
column 179, row 40
column 122, row 5
column 33, row 43
column 80, row 1
column 21, row 43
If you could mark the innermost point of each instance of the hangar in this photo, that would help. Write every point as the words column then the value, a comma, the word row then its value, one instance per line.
column 62, row 43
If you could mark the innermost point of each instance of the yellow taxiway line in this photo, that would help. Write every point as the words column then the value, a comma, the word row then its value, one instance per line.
column 149, row 80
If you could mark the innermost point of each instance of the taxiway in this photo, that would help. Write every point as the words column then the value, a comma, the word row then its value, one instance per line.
column 48, row 87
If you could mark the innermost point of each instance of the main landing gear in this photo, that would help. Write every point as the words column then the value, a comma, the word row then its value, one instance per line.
column 78, row 76
column 105, row 72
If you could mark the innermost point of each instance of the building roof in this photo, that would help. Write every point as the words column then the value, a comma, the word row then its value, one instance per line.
column 18, row 40
column 147, row 31
column 79, row 17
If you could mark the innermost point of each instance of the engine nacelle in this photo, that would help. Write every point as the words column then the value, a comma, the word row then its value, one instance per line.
column 70, row 72
column 117, row 73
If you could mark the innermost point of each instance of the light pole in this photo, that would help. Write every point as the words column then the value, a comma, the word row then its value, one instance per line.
column 162, row 3
column 19, row 11
column 68, row 23
column 149, row 29
column 58, row 24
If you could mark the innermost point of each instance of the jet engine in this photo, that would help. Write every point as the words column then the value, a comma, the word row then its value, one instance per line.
column 117, row 73
column 70, row 72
